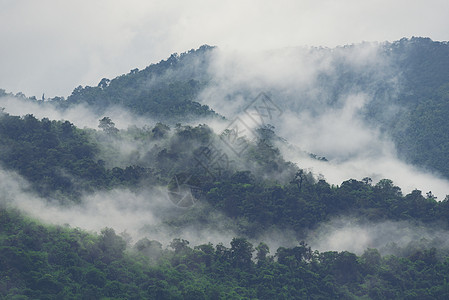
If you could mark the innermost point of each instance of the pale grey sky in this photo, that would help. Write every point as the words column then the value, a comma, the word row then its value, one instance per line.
column 52, row 46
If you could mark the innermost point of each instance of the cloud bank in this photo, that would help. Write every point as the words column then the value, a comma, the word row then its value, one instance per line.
column 139, row 214
column 80, row 115
column 51, row 47
column 399, row 238
column 324, row 95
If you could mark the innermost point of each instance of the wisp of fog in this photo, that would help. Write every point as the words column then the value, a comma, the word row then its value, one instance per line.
column 322, row 110
column 139, row 214
column 315, row 117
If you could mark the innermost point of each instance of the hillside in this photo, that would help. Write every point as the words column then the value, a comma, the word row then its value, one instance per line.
column 201, row 198
column 420, row 131
column 257, row 191
column 407, row 82
column 162, row 91
column 38, row 261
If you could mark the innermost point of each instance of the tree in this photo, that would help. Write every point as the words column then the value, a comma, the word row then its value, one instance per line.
column 299, row 178
column 241, row 252
column 104, row 83
column 370, row 260
column 108, row 126
column 160, row 130
column 152, row 249
column 179, row 245
column 262, row 252
column 111, row 244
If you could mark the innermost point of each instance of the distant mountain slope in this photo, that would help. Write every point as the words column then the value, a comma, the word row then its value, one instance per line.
column 408, row 81
column 424, row 64
column 38, row 261
column 58, row 159
column 166, row 90
column 258, row 190
column 421, row 132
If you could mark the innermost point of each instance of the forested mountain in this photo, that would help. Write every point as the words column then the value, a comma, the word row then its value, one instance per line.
column 408, row 81
column 42, row 262
column 33, row 263
column 216, row 181
column 166, row 90
column 259, row 189
column 421, row 131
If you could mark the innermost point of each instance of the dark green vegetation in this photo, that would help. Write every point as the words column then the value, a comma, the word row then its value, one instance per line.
column 410, row 98
column 39, row 261
column 47, row 262
column 58, row 159
column 421, row 129
column 257, row 191
column 410, row 93
column 62, row 160
column 163, row 91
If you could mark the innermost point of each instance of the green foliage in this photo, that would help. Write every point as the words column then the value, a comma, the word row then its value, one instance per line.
column 66, row 263
column 424, row 140
column 409, row 97
column 108, row 126
column 163, row 91
column 58, row 159
column 258, row 191
column 419, row 128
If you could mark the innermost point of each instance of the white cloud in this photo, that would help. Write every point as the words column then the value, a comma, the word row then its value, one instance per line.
column 80, row 115
column 323, row 116
column 140, row 213
column 52, row 46
column 355, row 236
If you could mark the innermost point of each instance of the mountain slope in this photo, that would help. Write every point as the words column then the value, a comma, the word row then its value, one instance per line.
column 256, row 192
column 163, row 91
column 48, row 262
column 408, row 81
column 421, row 131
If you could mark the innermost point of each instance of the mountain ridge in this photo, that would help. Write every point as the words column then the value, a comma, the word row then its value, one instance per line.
column 130, row 178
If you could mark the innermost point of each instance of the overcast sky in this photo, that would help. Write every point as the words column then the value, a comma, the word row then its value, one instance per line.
column 52, row 46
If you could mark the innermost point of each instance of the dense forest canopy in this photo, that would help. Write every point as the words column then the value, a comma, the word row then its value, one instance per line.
column 166, row 90
column 188, row 174
column 407, row 82
column 39, row 261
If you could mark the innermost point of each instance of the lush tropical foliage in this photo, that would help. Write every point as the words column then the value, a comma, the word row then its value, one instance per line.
column 48, row 262
column 245, row 180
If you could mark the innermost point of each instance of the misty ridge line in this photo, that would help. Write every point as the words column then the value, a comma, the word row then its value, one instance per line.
column 134, row 217
column 96, row 210
column 329, row 126
column 246, row 170
column 135, row 214
column 349, row 106
column 110, row 208
column 359, row 61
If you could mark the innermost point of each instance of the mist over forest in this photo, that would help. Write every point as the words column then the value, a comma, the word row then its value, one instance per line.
column 301, row 172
